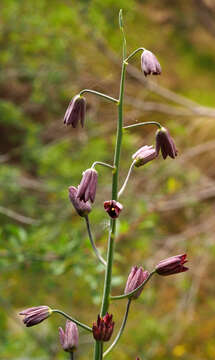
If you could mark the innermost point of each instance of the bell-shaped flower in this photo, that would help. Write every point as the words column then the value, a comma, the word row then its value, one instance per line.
column 87, row 187
column 75, row 111
column 69, row 337
column 150, row 64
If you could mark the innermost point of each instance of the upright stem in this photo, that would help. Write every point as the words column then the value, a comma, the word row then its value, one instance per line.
column 110, row 251
column 108, row 274
column 98, row 350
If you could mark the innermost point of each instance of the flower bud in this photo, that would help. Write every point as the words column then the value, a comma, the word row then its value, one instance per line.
column 69, row 338
column 143, row 155
column 172, row 265
column 103, row 328
column 82, row 208
column 136, row 277
column 35, row 315
column 113, row 208
column 75, row 111
column 166, row 143
column 87, row 187
column 150, row 64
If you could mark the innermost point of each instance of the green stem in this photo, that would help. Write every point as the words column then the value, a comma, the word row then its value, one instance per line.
column 71, row 319
column 134, row 53
column 102, row 163
column 98, row 255
column 99, row 94
column 120, row 330
column 110, row 251
column 72, row 355
column 98, row 350
column 144, row 123
column 128, row 295
column 101, row 351
column 108, row 274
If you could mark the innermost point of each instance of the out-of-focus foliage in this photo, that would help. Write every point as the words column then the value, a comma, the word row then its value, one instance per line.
column 49, row 51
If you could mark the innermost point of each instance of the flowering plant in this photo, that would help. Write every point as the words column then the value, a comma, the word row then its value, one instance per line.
column 82, row 198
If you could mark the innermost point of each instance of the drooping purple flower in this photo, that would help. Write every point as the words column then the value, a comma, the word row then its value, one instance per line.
column 35, row 315
column 150, row 64
column 113, row 208
column 165, row 143
column 103, row 328
column 144, row 155
column 75, row 111
column 87, row 187
column 172, row 265
column 136, row 277
column 69, row 338
column 82, row 208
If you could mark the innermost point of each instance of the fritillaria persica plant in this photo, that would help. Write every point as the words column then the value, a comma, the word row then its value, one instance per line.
column 83, row 197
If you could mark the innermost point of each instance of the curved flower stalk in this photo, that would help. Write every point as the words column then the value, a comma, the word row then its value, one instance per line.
column 82, row 198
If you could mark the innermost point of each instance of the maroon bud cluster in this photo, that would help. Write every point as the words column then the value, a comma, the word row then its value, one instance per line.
column 144, row 155
column 75, row 111
column 103, row 328
column 69, row 338
column 113, row 208
column 172, row 265
column 35, row 315
column 87, row 187
column 82, row 208
column 136, row 277
column 165, row 143
column 150, row 64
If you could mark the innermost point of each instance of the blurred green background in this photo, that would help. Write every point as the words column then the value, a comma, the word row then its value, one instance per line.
column 49, row 51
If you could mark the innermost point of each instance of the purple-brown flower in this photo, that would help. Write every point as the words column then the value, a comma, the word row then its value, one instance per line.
column 144, row 155
column 82, row 208
column 87, row 187
column 75, row 111
column 172, row 265
column 165, row 143
column 136, row 277
column 113, row 208
column 103, row 328
column 69, row 338
column 35, row 315
column 150, row 64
